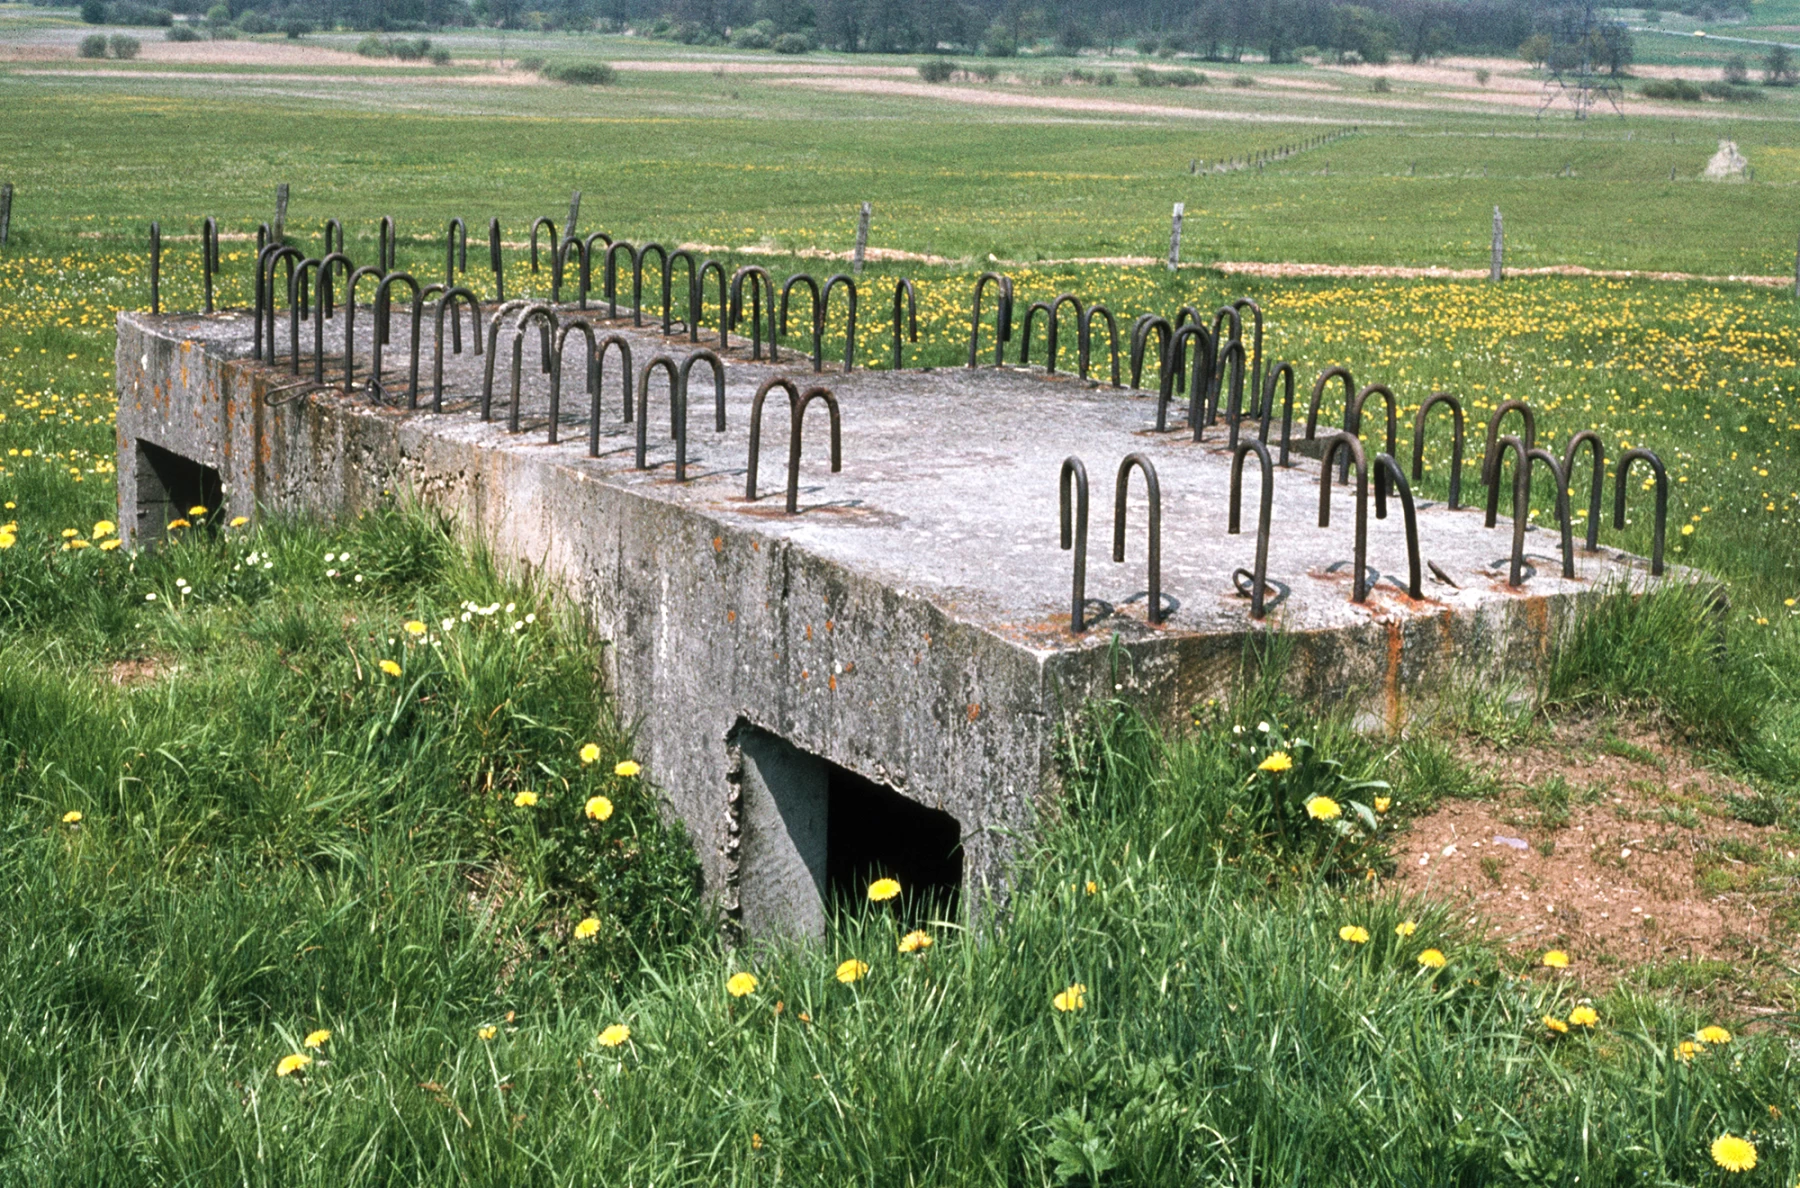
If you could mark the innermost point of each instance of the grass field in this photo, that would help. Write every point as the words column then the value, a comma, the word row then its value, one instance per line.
column 279, row 837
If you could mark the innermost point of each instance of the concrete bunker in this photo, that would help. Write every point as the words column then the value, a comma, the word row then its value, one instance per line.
column 168, row 487
column 813, row 835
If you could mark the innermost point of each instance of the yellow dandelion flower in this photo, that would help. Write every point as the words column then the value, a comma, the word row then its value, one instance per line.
column 740, row 984
column 413, row 627
column 239, row 521
column 525, row 800
column 1092, row 887
column 882, row 890
column 1733, row 1153
column 72, row 817
column 107, row 546
column 627, row 768
column 1405, row 928
column 589, row 752
column 1356, row 934
column 178, row 523
column 599, row 808
column 1432, row 959
column 849, row 971
column 755, row 1141
column 615, row 1035
column 389, row 667
column 1556, row 959
column 292, row 1063
column 1555, row 1024
column 69, row 532
column 316, row 1039
column 1322, row 808
column 1713, row 1035
column 487, row 1032
column 75, row 544
column 1584, row 1016
column 1277, row 761
column 103, row 528
column 197, row 510
column 1685, row 1050
column 1072, row 999
column 8, row 540
column 1383, row 803
column 587, row 928
column 916, row 941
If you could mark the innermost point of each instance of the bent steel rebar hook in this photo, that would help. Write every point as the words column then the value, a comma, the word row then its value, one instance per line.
column 904, row 288
column 718, row 373
column 677, row 414
column 1222, row 315
column 1203, row 367
column 1536, row 455
column 265, row 295
column 297, row 309
column 582, row 272
column 1521, row 500
column 681, row 255
column 756, row 408
column 1243, row 305
column 1259, row 577
column 818, row 315
column 761, row 285
column 831, row 284
column 837, row 454
column 637, row 280
column 331, row 261
column 388, row 245
column 1318, row 394
column 155, row 267
column 547, row 323
column 697, row 311
column 1649, row 458
column 1385, row 465
column 1456, row 442
column 456, row 251
column 554, row 239
column 1140, row 337
column 505, row 310
column 1081, row 341
column 574, row 326
column 1002, row 315
column 1489, row 460
column 1231, row 359
column 1075, row 534
column 1597, row 490
column 1277, row 373
column 384, row 300
column 624, row 346
column 334, row 242
column 1353, row 425
column 1031, row 312
column 1153, row 492
column 495, row 263
column 209, row 257
column 1097, row 310
column 448, row 303
column 610, row 275
column 367, row 270
column 587, row 262
column 1339, row 440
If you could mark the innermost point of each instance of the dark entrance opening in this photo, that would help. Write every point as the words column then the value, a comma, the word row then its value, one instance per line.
column 167, row 486
column 873, row 832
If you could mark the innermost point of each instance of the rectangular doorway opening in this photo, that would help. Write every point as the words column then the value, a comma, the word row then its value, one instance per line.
column 814, row 835
column 168, row 486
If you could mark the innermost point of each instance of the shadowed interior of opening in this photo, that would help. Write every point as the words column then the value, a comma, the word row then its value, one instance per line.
column 168, row 486
column 874, row 832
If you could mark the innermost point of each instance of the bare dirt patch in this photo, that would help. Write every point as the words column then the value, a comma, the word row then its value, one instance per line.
column 979, row 97
column 1616, row 848
column 1399, row 272
column 129, row 674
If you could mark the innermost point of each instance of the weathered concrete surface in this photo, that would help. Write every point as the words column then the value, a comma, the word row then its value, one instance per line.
column 910, row 624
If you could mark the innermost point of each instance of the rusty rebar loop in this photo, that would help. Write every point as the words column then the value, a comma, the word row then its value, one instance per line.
column 610, row 277
column 1002, row 315
column 356, row 278
column 1152, row 492
column 1649, row 458
column 1031, row 313
column 680, row 256
column 1597, row 488
column 496, row 262
column 544, row 317
column 1187, row 314
column 1050, row 341
column 697, row 310
column 586, row 279
column 849, row 284
column 762, row 287
column 334, row 243
column 1521, row 501
column 1457, row 428
column 1141, row 330
column 756, row 409
column 209, row 257
column 505, row 310
column 297, row 302
column 334, row 239
column 624, row 347
column 904, row 288
column 1341, row 440
column 1560, row 473
column 1259, row 576
column 332, row 260
column 447, row 304
column 1203, row 359
column 1243, row 305
column 1276, row 373
column 718, row 373
column 1489, row 459
column 1075, row 535
column 581, row 327
column 1318, row 396
column 384, row 300
column 1087, row 339
column 637, row 279
column 1230, row 360
column 554, row 238
column 677, row 414
column 1353, row 425
column 1222, row 315
column 583, row 272
column 818, row 316
column 794, row 436
column 387, row 248
column 456, row 251
column 1385, row 464
column 265, row 294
